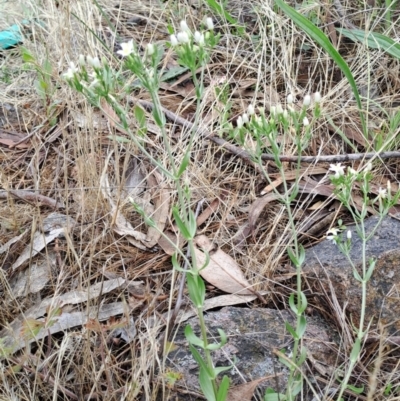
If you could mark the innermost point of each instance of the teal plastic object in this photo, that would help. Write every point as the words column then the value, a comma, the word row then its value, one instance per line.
column 11, row 37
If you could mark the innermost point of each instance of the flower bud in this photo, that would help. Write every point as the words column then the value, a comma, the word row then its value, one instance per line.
column 184, row 27
column 239, row 122
column 279, row 109
column 183, row 37
column 245, row 118
column 317, row 97
column 389, row 187
column 210, row 23
column 82, row 61
column 199, row 38
column 348, row 234
column 250, row 110
column 174, row 40
column 368, row 167
column 150, row 49
column 306, row 100
column 289, row 99
column 306, row 122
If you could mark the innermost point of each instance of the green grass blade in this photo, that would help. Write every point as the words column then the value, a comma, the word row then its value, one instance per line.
column 318, row 36
column 373, row 40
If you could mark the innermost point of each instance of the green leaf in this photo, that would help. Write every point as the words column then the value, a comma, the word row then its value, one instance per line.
column 318, row 36
column 291, row 330
column 220, row 369
column 272, row 395
column 302, row 326
column 184, row 164
column 355, row 352
column 27, row 57
column 223, row 389
column 373, row 40
column 293, row 257
column 140, row 116
column 371, row 268
column 192, row 338
column 182, row 228
column 201, row 362
column 357, row 390
column 206, row 385
column 196, row 288
column 192, row 224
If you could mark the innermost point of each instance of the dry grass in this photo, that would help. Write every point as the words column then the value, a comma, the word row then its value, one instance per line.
column 276, row 60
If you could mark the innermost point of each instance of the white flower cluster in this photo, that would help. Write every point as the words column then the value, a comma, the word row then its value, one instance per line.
column 332, row 234
column 244, row 118
column 73, row 69
column 184, row 35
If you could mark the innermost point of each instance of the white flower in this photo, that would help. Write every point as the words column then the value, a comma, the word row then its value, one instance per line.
column 250, row 110
column 150, row 49
column 317, row 97
column 289, row 99
column 239, row 122
column 174, row 40
column 93, row 61
column 72, row 70
column 82, row 60
column 127, row 49
column 245, row 118
column 199, row 38
column 348, row 234
column 332, row 234
column 306, row 122
column 183, row 37
column 307, row 100
column 382, row 193
column 338, row 169
column 184, row 27
column 210, row 23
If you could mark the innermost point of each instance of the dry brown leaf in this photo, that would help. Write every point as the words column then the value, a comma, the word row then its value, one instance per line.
column 208, row 211
column 244, row 392
column 35, row 278
column 316, row 205
column 222, row 271
column 11, row 334
column 39, row 242
column 160, row 196
column 309, row 186
column 272, row 186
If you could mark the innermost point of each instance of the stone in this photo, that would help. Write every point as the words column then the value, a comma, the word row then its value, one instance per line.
column 253, row 334
column 326, row 268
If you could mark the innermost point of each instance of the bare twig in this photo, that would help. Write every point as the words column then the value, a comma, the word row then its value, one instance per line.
column 243, row 154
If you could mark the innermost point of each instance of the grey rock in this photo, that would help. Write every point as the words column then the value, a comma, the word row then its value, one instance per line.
column 329, row 272
column 253, row 334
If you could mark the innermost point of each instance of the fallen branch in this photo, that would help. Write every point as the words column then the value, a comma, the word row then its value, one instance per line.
column 243, row 154
column 32, row 197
